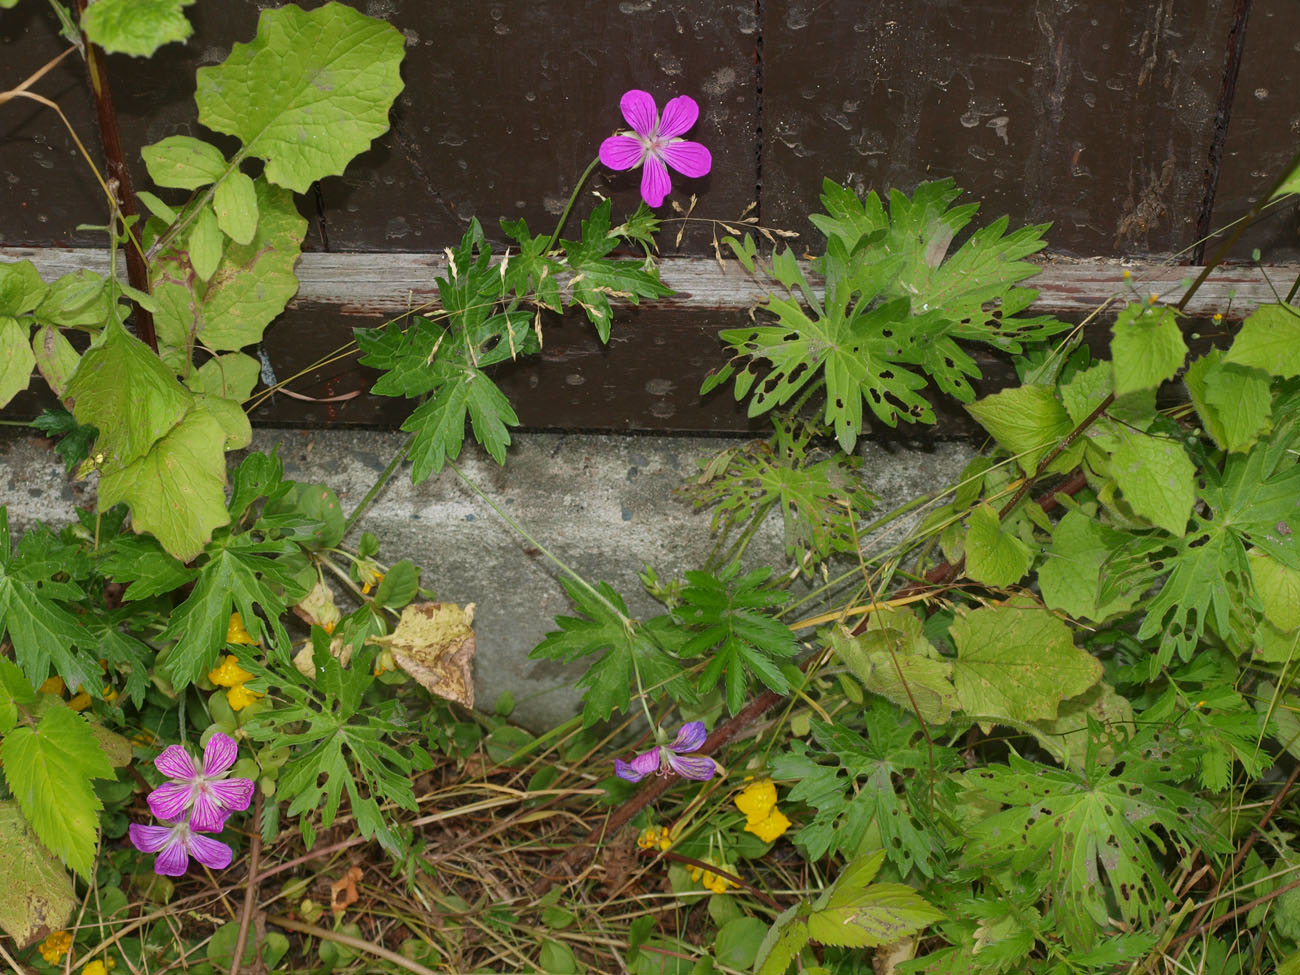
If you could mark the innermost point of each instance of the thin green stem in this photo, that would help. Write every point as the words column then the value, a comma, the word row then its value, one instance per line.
column 379, row 484
column 573, row 198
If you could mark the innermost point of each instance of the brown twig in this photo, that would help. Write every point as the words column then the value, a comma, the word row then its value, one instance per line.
column 137, row 269
column 250, row 888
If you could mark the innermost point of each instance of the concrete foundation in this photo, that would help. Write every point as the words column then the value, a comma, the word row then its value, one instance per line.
column 605, row 505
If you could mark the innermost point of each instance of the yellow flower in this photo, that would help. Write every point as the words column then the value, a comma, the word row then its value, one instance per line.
column 56, row 946
column 376, row 579
column 758, row 802
column 79, row 701
column 240, row 697
column 229, row 674
column 385, row 661
column 235, row 632
column 98, row 967
column 710, row 880
column 649, row 838
column 53, row 685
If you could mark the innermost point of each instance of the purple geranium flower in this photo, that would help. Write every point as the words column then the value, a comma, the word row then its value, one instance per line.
column 211, row 796
column 671, row 758
column 174, row 845
column 654, row 143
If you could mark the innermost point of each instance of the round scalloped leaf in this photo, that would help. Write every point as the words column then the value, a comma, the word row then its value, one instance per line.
column 135, row 27
column 308, row 93
column 16, row 359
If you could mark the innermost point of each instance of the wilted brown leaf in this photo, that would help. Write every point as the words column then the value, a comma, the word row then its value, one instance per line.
column 434, row 643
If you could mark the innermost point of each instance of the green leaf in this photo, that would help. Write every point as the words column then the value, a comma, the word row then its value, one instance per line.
column 1067, row 736
column 235, row 203
column 892, row 658
column 1156, row 478
column 1077, row 565
column 177, row 490
column 737, row 941
column 80, row 298
column 232, row 375
column 206, row 241
column 183, row 162
column 14, row 690
column 140, row 561
column 1233, row 402
column 230, row 416
column 784, row 940
column 319, row 503
column 21, row 288
column 1028, row 422
column 1066, row 830
column 1270, row 340
column 849, row 779
column 727, row 616
column 16, row 359
column 559, row 958
column 1278, row 588
column 1147, row 348
column 870, row 916
column 994, row 556
column 439, row 423
column 308, row 93
column 38, row 894
column 1017, row 661
column 250, row 286
column 595, row 278
column 605, row 628
column 54, row 356
column 135, row 27
column 131, row 416
column 49, row 769
column 239, row 575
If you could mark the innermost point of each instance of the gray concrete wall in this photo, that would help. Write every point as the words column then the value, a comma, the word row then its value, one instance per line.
column 603, row 504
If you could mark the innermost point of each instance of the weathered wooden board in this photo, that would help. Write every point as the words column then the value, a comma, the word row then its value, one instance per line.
column 1095, row 116
column 1264, row 132
column 648, row 378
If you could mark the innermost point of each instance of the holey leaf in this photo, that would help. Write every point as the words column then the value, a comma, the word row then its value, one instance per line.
column 250, row 284
column 49, row 769
column 1017, row 661
column 308, row 93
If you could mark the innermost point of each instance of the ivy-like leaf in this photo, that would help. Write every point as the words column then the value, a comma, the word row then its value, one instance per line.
column 994, row 555
column 1148, row 347
column 1028, row 422
column 605, row 628
column 49, row 769
column 1270, row 340
column 726, row 613
column 308, row 93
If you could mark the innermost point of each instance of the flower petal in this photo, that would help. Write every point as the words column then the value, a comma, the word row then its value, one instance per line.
column 625, row 771
column 622, row 152
column 175, row 763
column 689, row 738
column 149, row 839
column 219, row 754
column 688, row 158
column 209, row 852
column 173, row 860
column 639, row 109
column 207, row 814
column 679, row 115
column 641, row 766
column 170, row 800
column 698, row 767
column 234, row 794
column 655, row 183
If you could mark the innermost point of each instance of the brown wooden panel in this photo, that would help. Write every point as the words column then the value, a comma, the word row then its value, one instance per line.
column 1096, row 116
column 506, row 104
column 1264, row 131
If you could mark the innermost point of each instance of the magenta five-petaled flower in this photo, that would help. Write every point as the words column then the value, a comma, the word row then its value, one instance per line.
column 655, row 144
column 206, row 794
column 665, row 759
column 196, row 801
column 175, row 844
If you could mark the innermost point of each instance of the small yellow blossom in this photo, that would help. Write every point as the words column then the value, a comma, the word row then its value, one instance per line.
column 758, row 802
column 144, row 738
column 53, row 685
column 710, row 880
column 384, row 662
column 79, row 701
column 1128, row 275
column 1153, row 299
column 1218, row 317
column 652, row 837
column 376, row 579
column 56, row 946
column 229, row 674
column 235, row 632
column 98, row 967
column 110, row 694
column 240, row 697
